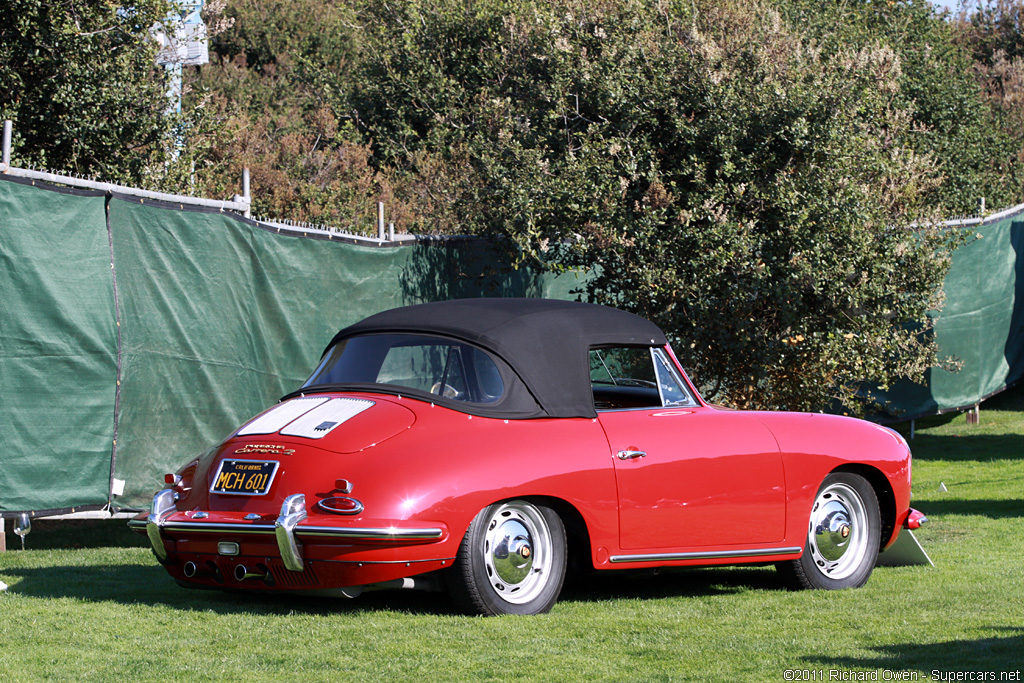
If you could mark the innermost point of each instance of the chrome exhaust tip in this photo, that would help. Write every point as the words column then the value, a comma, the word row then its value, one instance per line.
column 189, row 569
column 243, row 573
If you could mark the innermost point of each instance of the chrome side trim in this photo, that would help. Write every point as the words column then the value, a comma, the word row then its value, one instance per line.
column 293, row 511
column 710, row 555
column 162, row 507
column 369, row 533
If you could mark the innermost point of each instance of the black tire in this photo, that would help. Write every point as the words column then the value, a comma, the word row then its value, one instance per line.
column 843, row 536
column 511, row 561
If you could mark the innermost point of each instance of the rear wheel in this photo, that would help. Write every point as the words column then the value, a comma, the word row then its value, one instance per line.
column 843, row 536
column 511, row 561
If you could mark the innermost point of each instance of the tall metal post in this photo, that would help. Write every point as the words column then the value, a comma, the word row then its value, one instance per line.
column 380, row 221
column 7, row 143
column 245, row 192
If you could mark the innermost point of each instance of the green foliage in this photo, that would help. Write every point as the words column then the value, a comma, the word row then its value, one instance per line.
column 955, row 121
column 744, row 187
column 79, row 82
column 272, row 66
column 990, row 28
column 277, row 32
column 994, row 34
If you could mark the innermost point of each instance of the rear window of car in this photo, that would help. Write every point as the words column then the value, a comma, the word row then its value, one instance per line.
column 427, row 364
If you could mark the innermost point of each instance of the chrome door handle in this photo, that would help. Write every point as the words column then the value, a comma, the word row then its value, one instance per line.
column 630, row 453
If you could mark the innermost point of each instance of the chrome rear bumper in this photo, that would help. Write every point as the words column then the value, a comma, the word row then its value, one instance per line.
column 287, row 529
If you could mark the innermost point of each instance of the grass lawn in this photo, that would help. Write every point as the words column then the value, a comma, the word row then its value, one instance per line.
column 89, row 603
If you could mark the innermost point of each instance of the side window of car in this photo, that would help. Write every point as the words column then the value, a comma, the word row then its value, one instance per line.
column 488, row 379
column 628, row 377
column 623, row 377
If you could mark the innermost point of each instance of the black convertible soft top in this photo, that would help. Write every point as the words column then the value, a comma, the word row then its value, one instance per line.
column 544, row 341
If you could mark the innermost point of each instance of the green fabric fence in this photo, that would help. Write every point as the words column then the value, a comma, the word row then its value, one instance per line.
column 58, row 349
column 981, row 325
column 134, row 335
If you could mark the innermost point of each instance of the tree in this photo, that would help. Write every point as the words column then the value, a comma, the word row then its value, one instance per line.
column 718, row 172
column 80, row 83
column 942, row 84
column 272, row 67
column 994, row 34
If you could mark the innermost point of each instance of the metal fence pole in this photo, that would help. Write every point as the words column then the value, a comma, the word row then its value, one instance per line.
column 245, row 192
column 7, row 143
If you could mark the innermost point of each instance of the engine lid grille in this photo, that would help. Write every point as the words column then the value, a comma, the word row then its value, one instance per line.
column 322, row 420
column 273, row 420
column 312, row 417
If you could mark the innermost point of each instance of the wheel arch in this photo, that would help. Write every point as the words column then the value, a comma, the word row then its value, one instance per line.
column 492, row 574
column 883, row 492
column 577, row 532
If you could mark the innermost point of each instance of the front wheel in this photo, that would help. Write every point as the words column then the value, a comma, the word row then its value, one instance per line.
column 843, row 536
column 511, row 561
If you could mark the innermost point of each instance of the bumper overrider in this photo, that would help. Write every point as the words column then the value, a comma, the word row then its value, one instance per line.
column 299, row 542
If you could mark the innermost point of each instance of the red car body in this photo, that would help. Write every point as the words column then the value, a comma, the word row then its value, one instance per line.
column 403, row 481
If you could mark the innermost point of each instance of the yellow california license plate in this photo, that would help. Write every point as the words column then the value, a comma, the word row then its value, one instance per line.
column 244, row 477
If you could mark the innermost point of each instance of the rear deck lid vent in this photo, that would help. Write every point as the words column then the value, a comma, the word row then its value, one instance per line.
column 324, row 418
column 277, row 417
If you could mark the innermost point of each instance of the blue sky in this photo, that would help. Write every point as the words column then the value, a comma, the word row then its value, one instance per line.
column 948, row 4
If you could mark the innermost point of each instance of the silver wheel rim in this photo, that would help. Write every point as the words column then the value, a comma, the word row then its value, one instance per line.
column 517, row 552
column 838, row 533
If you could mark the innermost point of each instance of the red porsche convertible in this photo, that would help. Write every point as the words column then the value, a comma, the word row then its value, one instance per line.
column 470, row 444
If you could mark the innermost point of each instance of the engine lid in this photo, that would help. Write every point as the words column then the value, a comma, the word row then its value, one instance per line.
column 340, row 424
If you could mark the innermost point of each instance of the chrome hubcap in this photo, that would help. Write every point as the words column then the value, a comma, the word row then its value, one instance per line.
column 838, row 533
column 517, row 553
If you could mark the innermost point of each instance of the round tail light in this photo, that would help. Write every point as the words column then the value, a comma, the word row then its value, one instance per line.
column 341, row 505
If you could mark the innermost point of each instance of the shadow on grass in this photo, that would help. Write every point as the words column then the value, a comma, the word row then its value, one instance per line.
column 993, row 509
column 135, row 584
column 144, row 584
column 967, row 447
column 596, row 586
column 72, row 534
column 984, row 655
